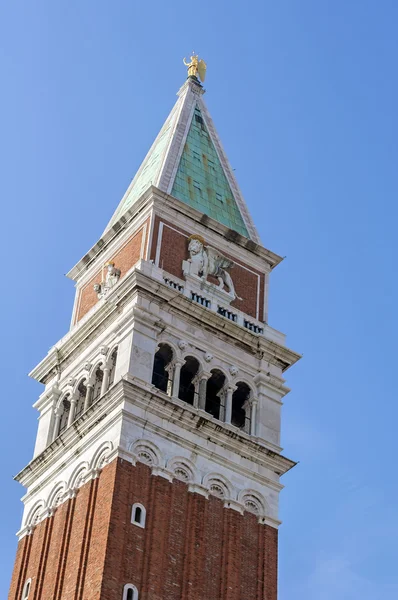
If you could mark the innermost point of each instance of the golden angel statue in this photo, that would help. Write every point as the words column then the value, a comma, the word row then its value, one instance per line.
column 196, row 67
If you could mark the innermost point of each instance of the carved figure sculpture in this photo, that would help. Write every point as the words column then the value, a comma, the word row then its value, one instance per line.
column 205, row 261
column 111, row 278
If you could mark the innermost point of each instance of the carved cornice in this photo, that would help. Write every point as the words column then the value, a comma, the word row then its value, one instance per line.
column 152, row 400
column 136, row 282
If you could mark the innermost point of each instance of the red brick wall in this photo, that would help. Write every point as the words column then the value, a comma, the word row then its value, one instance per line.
column 124, row 259
column 190, row 549
column 174, row 249
column 65, row 555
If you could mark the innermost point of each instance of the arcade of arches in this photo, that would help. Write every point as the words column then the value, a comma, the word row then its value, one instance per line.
column 211, row 392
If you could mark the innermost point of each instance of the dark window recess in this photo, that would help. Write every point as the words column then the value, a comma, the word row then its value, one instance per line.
column 160, row 377
column 63, row 423
column 113, row 367
column 130, row 594
column 240, row 412
column 213, row 389
column 187, row 387
column 81, row 399
column 138, row 515
column 199, row 119
column 99, row 375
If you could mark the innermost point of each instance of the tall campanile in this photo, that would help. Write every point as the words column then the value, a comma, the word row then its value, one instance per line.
column 157, row 464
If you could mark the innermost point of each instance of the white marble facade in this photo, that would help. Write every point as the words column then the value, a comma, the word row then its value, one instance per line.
column 133, row 419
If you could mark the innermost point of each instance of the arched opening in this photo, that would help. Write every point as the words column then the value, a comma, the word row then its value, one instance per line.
column 99, row 375
column 130, row 592
column 81, row 397
column 161, row 375
column 138, row 515
column 240, row 406
column 65, row 410
column 113, row 367
column 26, row 590
column 188, row 390
column 213, row 393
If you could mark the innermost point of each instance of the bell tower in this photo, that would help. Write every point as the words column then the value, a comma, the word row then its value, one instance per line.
column 157, row 465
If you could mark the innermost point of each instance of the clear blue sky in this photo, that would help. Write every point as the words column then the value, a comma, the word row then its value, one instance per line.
column 304, row 95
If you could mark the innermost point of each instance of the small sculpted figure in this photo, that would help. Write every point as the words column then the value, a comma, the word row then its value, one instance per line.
column 206, row 261
column 111, row 278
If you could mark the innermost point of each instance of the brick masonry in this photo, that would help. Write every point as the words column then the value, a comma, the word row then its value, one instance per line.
column 174, row 249
column 192, row 548
column 124, row 259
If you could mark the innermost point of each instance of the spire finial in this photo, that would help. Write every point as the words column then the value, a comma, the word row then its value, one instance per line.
column 196, row 67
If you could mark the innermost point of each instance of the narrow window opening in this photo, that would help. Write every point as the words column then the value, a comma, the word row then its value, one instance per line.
column 218, row 197
column 63, row 422
column 189, row 370
column 213, row 393
column 138, row 515
column 130, row 592
column 82, row 392
column 99, row 375
column 113, row 367
column 197, row 187
column 160, row 374
column 199, row 119
column 240, row 407
column 26, row 590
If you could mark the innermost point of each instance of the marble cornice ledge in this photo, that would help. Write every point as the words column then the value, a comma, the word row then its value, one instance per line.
column 112, row 306
column 152, row 400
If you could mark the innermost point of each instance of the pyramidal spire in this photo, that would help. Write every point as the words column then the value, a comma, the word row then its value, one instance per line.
column 187, row 161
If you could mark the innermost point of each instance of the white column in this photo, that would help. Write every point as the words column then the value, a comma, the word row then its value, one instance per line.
column 176, row 379
column 202, row 388
column 228, row 403
column 105, row 380
column 72, row 410
column 253, row 417
column 89, row 396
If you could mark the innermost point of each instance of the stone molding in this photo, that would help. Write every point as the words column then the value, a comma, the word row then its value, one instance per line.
column 137, row 281
column 212, row 483
column 62, row 491
column 161, row 406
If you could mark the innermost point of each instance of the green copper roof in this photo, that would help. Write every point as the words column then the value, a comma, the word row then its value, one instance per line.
column 149, row 170
column 201, row 182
